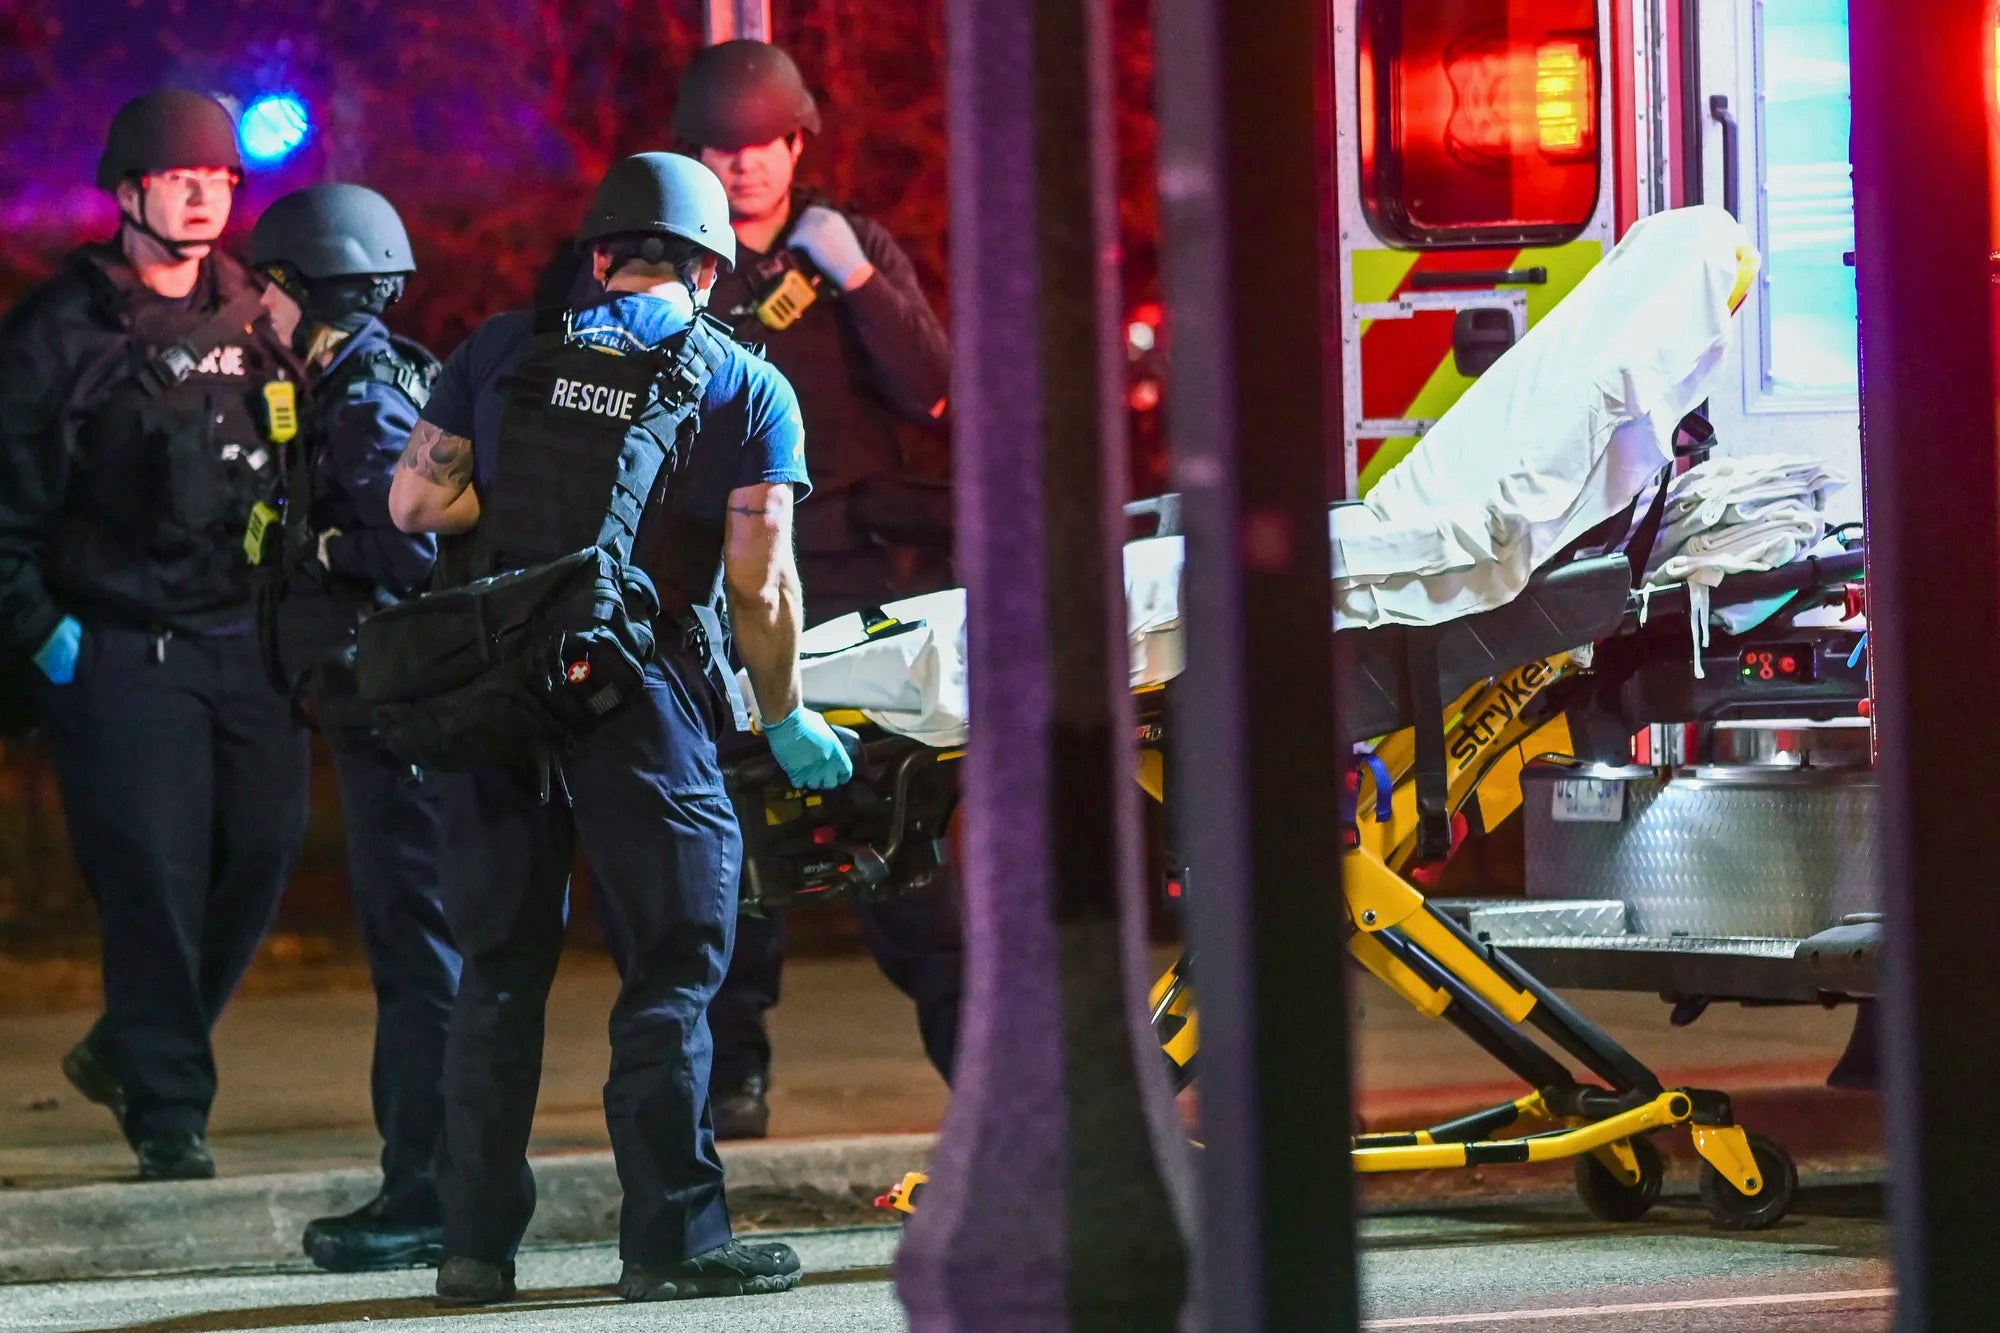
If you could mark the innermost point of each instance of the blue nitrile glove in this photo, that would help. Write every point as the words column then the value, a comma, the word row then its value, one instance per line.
column 812, row 756
column 829, row 241
column 57, row 655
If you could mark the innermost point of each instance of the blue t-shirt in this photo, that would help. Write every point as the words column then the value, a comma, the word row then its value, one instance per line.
column 747, row 399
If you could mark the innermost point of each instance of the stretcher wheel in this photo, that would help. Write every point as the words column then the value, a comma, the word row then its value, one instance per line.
column 1732, row 1209
column 1610, row 1199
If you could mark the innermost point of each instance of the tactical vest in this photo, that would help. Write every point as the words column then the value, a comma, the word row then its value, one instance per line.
column 179, row 433
column 544, row 620
column 307, row 616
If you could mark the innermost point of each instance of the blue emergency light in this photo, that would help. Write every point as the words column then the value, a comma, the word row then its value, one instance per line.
column 273, row 128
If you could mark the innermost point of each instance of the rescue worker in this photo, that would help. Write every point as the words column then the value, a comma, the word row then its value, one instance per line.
column 865, row 355
column 143, row 400
column 493, row 464
column 338, row 256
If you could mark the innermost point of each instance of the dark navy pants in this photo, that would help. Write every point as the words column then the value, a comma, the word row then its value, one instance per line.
column 394, row 826
column 645, row 800
column 183, row 779
column 917, row 941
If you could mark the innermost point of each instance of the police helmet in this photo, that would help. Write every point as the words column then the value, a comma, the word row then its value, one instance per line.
column 164, row 129
column 665, row 194
column 332, row 231
column 742, row 93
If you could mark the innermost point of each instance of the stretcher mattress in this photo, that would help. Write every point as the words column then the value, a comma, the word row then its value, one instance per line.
column 1561, row 434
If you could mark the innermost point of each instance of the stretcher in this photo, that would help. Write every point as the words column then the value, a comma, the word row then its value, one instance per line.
column 1457, row 678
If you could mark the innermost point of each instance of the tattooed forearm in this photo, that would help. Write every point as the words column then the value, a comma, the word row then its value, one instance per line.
column 438, row 457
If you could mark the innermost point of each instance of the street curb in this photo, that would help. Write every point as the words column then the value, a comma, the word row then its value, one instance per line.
column 114, row 1230
column 109, row 1230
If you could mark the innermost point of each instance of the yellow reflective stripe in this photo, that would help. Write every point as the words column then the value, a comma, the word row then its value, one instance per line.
column 1567, row 265
column 1377, row 275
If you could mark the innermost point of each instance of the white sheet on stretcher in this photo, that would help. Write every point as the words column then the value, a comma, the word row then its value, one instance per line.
column 913, row 682
column 1562, row 433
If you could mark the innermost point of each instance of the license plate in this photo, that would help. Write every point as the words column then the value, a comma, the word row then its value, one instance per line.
column 1588, row 801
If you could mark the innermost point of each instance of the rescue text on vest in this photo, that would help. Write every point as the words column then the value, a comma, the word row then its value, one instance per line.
column 601, row 399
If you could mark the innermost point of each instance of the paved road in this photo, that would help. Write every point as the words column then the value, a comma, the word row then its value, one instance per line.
column 1471, row 1271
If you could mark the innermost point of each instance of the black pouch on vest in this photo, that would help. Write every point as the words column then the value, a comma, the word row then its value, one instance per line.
column 503, row 670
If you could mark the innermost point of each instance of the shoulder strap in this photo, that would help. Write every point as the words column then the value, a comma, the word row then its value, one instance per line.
column 405, row 366
column 659, row 438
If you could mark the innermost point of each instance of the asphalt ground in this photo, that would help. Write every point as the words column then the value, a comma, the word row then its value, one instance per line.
column 1492, row 1269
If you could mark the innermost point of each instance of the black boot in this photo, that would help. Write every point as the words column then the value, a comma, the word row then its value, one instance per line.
column 463, row 1281
column 741, row 1112
column 734, row 1269
column 375, row 1237
column 90, row 1075
column 175, row 1157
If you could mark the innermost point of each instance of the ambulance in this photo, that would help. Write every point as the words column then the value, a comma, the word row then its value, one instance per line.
column 1488, row 153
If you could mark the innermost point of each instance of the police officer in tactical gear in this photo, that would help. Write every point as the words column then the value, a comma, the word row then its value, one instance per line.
column 525, row 411
column 338, row 256
column 144, row 400
column 836, row 302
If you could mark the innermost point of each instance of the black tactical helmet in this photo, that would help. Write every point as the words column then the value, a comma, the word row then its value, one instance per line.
column 665, row 194
column 167, row 128
column 742, row 93
column 332, row 231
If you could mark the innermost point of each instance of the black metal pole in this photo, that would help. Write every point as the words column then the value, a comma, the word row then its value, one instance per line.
column 1047, row 1208
column 1244, row 182
column 1922, row 88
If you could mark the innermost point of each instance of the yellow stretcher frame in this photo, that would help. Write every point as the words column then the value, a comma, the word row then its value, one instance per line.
column 1492, row 733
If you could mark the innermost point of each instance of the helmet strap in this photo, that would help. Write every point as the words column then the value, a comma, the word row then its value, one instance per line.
column 177, row 250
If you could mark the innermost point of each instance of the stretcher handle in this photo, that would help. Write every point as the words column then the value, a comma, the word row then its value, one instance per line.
column 1732, row 155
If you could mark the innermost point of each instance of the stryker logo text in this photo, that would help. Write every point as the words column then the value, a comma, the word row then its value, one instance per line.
column 1489, row 721
column 601, row 399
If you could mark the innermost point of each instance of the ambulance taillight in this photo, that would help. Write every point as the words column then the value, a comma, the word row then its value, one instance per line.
column 1479, row 120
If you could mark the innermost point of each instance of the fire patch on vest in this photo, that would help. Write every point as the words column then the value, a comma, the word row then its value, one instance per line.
column 598, row 399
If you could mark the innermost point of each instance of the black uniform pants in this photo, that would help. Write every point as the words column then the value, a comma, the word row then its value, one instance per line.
column 645, row 799
column 394, row 827
column 183, row 779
